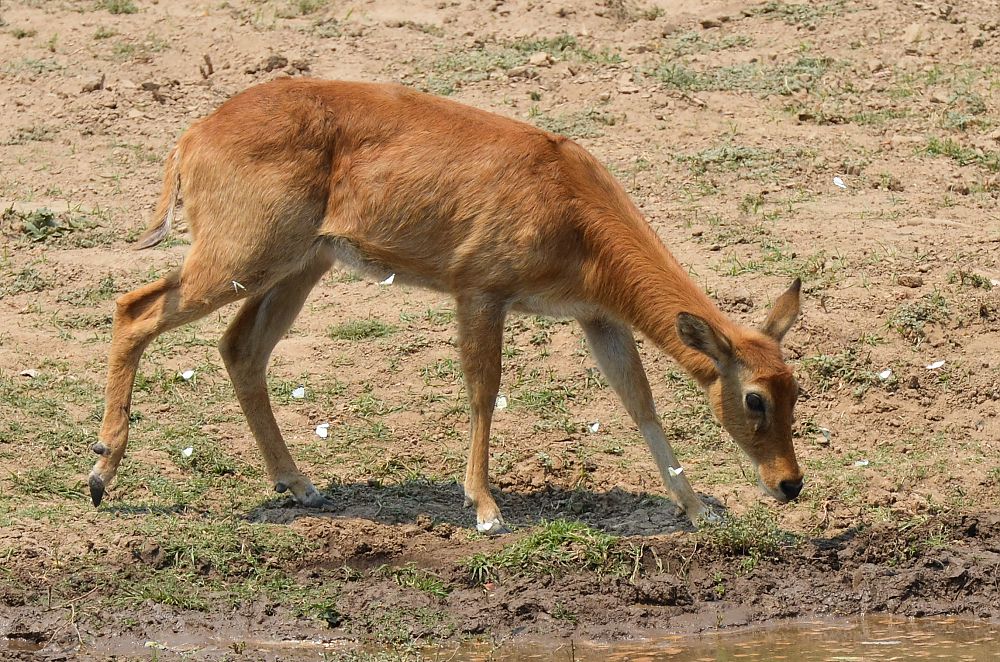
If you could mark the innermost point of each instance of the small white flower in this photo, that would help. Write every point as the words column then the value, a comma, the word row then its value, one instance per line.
column 675, row 472
column 323, row 430
column 299, row 393
column 501, row 403
column 594, row 427
column 389, row 280
column 187, row 452
column 861, row 463
column 187, row 375
column 885, row 374
column 839, row 182
column 935, row 365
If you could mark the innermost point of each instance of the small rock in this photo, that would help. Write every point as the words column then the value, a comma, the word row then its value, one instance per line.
column 939, row 97
column 915, row 33
column 910, row 281
column 709, row 23
column 875, row 65
column 270, row 64
column 523, row 71
column 626, row 84
column 540, row 59
column 93, row 85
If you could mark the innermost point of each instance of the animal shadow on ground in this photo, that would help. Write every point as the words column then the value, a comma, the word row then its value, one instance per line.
column 616, row 511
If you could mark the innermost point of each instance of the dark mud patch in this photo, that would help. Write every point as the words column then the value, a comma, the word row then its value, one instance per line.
column 616, row 511
column 946, row 565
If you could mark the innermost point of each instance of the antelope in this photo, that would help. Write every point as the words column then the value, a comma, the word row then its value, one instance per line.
column 291, row 177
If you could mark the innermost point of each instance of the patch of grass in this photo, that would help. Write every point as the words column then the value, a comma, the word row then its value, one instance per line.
column 38, row 481
column 118, row 6
column 389, row 625
column 910, row 318
column 848, row 367
column 557, row 547
column 368, row 405
column 227, row 547
column 44, row 224
column 971, row 279
column 25, row 281
column 138, row 51
column 103, row 32
column 365, row 329
column 546, row 400
column 447, row 370
column 580, row 124
column 727, row 157
column 697, row 42
column 21, row 33
column 409, row 576
column 804, row 14
column 448, row 73
column 106, row 289
column 818, row 269
column 963, row 155
column 37, row 133
column 754, row 78
column 754, row 536
column 32, row 66
column 305, row 7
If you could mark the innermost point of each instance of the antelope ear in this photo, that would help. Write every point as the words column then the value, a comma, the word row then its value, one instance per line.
column 698, row 334
column 784, row 313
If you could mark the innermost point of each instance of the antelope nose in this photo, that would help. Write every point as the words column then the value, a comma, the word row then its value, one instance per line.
column 791, row 488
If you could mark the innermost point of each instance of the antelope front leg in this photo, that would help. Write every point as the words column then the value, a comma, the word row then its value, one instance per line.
column 614, row 348
column 140, row 316
column 480, row 337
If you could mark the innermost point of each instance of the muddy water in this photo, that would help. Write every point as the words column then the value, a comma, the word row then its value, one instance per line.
column 866, row 640
column 862, row 640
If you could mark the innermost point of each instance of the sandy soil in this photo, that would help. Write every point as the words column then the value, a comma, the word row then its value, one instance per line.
column 854, row 144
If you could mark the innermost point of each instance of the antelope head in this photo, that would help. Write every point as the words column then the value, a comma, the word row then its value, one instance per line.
column 754, row 391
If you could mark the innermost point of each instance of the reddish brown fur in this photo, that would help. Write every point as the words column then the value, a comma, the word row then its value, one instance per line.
column 292, row 176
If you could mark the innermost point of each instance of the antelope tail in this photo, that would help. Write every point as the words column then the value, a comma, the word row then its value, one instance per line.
column 159, row 228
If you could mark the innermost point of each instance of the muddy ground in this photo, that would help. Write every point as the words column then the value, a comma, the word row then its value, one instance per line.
column 853, row 144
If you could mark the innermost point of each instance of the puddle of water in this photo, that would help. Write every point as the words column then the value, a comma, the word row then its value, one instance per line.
column 862, row 640
column 874, row 639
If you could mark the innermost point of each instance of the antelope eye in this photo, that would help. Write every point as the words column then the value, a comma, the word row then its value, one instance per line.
column 755, row 403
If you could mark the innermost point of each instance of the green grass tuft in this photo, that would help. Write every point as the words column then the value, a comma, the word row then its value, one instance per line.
column 557, row 547
column 910, row 318
column 366, row 329
column 754, row 536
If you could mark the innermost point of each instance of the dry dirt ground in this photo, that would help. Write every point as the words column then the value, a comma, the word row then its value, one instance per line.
column 728, row 122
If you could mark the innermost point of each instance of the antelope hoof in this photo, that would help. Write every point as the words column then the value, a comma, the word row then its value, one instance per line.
column 493, row 527
column 303, row 491
column 96, row 484
column 706, row 515
column 311, row 498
